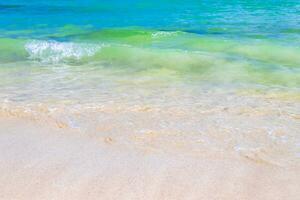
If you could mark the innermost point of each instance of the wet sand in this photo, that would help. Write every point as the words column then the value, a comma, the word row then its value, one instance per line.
column 40, row 161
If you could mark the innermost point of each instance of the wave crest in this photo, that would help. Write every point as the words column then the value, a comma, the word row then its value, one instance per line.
column 53, row 51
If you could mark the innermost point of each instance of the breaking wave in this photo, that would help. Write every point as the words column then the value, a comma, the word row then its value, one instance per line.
column 53, row 51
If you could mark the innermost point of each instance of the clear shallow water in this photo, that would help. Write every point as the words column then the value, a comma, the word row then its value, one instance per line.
column 225, row 73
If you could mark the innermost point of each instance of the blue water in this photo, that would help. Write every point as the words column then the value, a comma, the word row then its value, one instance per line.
column 269, row 18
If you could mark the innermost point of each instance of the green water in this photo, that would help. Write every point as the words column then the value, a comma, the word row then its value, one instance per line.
column 159, row 53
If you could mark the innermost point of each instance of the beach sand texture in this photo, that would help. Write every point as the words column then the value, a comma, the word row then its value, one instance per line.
column 46, row 156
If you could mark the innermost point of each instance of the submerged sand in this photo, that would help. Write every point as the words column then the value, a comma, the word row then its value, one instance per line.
column 41, row 161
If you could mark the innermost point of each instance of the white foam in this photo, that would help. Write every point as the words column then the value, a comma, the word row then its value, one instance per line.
column 163, row 34
column 53, row 51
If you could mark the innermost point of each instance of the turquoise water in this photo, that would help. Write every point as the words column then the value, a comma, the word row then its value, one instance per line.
column 252, row 41
column 270, row 18
column 237, row 44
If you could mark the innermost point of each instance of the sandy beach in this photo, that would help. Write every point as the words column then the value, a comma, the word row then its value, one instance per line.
column 42, row 158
